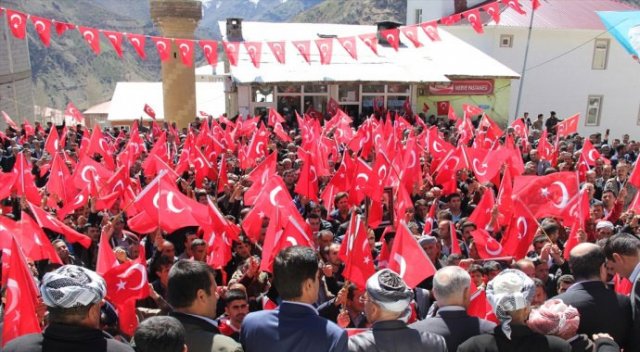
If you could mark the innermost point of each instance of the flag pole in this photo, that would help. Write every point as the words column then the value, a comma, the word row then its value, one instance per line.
column 524, row 65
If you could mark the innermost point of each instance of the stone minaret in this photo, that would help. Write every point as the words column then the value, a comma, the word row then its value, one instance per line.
column 177, row 19
column 16, row 87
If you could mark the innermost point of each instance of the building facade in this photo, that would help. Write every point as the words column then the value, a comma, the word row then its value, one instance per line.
column 573, row 64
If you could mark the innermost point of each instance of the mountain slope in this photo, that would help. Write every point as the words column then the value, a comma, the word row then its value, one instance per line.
column 354, row 12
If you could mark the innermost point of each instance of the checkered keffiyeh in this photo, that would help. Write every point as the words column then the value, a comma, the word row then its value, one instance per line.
column 511, row 290
column 72, row 286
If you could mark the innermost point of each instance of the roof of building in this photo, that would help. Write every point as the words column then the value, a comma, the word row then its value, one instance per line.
column 563, row 14
column 129, row 99
column 209, row 70
column 102, row 108
column 433, row 62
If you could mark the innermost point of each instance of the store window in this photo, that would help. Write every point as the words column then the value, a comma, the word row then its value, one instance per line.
column 262, row 94
column 373, row 88
column 349, row 93
column 291, row 88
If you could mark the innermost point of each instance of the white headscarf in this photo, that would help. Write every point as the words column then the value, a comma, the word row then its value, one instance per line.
column 511, row 290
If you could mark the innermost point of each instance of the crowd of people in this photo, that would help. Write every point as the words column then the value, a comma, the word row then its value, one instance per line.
column 236, row 286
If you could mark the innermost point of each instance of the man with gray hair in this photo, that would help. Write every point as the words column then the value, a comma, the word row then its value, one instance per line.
column 73, row 296
column 386, row 305
column 451, row 288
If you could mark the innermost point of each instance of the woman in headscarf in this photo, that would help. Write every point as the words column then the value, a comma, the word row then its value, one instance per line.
column 558, row 319
column 510, row 295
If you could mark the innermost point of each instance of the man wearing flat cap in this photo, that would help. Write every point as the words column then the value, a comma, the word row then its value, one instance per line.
column 73, row 296
column 386, row 305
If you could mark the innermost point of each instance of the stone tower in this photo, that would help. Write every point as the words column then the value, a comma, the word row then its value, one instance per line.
column 16, row 87
column 177, row 19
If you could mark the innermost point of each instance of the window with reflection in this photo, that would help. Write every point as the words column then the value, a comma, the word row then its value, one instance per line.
column 289, row 88
column 373, row 88
column 316, row 88
column 262, row 94
column 349, row 93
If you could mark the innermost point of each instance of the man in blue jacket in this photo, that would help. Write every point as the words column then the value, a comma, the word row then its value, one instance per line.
column 295, row 324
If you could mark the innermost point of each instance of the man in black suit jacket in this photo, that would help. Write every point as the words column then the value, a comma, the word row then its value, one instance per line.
column 601, row 310
column 451, row 288
column 623, row 253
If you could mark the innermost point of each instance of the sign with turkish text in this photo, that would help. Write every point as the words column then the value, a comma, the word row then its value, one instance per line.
column 462, row 87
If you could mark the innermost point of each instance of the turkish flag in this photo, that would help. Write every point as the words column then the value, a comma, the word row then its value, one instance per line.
column 370, row 40
column 568, row 126
column 411, row 32
column 622, row 285
column 76, row 202
column 9, row 121
column 186, row 48
column 127, row 281
column 231, row 50
column 451, row 20
column 481, row 215
column 443, row 108
column 256, row 149
column 408, row 259
column 115, row 38
column 24, row 182
column 92, row 37
column 259, row 177
column 307, row 184
column 48, row 221
column 577, row 211
column 296, row 232
column 349, row 44
column 493, row 9
column 505, row 200
column 163, row 46
column 304, row 48
column 519, row 128
column 486, row 245
column 17, row 23
column 573, row 239
column 325, row 49
column 356, row 253
column 21, row 296
column 88, row 169
column 273, row 117
column 520, row 233
column 478, row 304
column 73, row 112
column 515, row 5
column 332, row 108
column 471, row 110
column 425, row 108
column 43, row 28
column 591, row 154
column 634, row 177
column 138, row 41
column 210, row 50
column 32, row 239
column 172, row 210
column 392, row 36
column 455, row 245
column 278, row 50
column 52, row 145
column 431, row 217
column 431, row 30
column 361, row 184
column 274, row 194
column 546, row 195
column 473, row 16
column 149, row 111
column 254, row 49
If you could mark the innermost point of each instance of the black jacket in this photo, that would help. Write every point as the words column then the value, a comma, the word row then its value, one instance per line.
column 522, row 339
column 456, row 326
column 202, row 336
column 395, row 336
column 601, row 310
column 67, row 338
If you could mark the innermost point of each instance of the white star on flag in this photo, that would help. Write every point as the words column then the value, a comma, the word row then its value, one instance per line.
column 544, row 192
column 121, row 285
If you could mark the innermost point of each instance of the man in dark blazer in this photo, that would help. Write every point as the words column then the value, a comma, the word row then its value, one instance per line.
column 601, row 310
column 451, row 288
column 191, row 291
column 295, row 325
column 623, row 254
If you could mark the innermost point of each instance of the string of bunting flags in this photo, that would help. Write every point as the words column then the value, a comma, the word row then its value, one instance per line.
column 18, row 24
